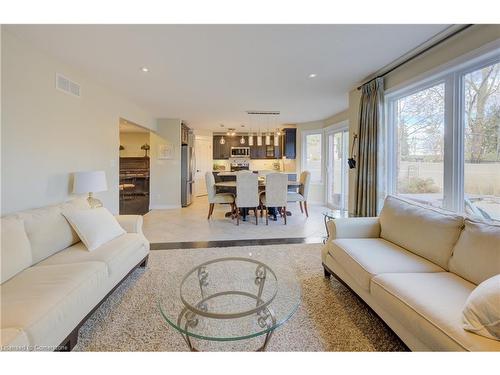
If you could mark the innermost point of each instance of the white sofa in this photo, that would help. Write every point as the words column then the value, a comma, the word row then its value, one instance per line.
column 415, row 266
column 51, row 283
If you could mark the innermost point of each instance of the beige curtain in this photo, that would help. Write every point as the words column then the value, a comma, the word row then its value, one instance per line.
column 370, row 118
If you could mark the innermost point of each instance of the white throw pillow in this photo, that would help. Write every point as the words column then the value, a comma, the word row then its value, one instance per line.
column 95, row 227
column 481, row 314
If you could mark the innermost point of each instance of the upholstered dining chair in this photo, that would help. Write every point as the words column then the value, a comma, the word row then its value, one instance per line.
column 275, row 194
column 213, row 197
column 301, row 196
column 247, row 194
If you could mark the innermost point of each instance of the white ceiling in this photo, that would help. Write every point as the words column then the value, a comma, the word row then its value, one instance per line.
column 212, row 74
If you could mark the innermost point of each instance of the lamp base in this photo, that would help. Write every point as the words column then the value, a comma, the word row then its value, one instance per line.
column 94, row 202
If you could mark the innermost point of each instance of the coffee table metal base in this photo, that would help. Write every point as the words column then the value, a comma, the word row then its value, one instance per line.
column 265, row 317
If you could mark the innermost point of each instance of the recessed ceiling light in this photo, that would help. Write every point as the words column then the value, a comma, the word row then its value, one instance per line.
column 144, row 69
column 312, row 75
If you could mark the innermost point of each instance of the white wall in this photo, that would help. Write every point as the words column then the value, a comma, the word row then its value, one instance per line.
column 47, row 134
column 133, row 143
column 165, row 179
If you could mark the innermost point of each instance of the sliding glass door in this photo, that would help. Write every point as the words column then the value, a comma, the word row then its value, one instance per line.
column 337, row 170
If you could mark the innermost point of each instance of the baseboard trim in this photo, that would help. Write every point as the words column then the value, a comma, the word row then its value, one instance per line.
column 163, row 206
column 233, row 243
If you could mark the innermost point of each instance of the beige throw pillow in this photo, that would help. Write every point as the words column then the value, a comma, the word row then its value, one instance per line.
column 95, row 227
column 481, row 314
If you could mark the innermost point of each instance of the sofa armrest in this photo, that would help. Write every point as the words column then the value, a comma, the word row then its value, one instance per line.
column 131, row 223
column 354, row 227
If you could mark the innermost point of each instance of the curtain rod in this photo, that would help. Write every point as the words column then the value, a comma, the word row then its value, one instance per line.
column 418, row 54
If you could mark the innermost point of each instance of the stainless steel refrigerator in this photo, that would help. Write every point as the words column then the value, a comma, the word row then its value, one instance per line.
column 187, row 172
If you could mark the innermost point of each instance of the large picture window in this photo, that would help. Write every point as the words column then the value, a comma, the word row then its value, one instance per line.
column 443, row 137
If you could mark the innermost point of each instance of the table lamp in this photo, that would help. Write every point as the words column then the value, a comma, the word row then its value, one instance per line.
column 90, row 182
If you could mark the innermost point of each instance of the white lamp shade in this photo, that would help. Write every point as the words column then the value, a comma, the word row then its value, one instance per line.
column 89, row 182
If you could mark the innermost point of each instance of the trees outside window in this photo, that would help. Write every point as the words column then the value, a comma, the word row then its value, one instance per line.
column 481, row 89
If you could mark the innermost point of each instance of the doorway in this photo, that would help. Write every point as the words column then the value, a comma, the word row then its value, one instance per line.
column 134, row 168
column 337, row 169
column 203, row 163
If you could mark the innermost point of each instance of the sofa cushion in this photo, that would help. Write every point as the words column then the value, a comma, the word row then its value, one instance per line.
column 430, row 306
column 423, row 230
column 363, row 258
column 15, row 250
column 48, row 230
column 476, row 256
column 13, row 339
column 113, row 253
column 48, row 302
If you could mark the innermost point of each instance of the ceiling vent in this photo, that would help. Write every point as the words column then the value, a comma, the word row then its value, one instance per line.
column 65, row 85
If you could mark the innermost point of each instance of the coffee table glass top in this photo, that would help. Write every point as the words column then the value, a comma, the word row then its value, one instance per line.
column 232, row 298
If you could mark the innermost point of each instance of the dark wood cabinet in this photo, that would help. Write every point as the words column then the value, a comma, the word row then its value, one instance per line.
column 220, row 151
column 287, row 146
column 289, row 141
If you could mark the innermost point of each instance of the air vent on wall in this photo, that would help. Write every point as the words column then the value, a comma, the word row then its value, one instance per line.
column 67, row 86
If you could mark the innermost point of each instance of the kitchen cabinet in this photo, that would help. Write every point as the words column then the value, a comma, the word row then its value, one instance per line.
column 287, row 146
column 220, row 151
column 288, row 143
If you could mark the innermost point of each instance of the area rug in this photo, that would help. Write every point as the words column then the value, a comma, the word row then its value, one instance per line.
column 330, row 316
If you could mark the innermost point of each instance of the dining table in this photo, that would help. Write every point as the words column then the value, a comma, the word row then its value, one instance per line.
column 262, row 184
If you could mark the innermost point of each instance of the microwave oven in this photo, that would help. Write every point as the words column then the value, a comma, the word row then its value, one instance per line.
column 240, row 152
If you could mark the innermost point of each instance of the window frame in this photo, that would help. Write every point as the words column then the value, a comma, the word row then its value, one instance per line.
column 454, row 123
column 303, row 160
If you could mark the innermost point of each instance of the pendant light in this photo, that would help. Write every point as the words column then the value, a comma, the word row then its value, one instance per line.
column 259, row 138
column 222, row 141
column 250, row 139
column 277, row 134
column 242, row 140
column 268, row 135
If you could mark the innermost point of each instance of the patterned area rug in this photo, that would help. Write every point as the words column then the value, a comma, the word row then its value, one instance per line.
column 330, row 317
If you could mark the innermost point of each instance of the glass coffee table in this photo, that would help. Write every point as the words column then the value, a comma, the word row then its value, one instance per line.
column 231, row 299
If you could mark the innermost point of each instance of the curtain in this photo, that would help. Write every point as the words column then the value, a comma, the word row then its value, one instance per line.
column 370, row 119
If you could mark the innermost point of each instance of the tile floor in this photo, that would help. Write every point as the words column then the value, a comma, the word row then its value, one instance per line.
column 191, row 224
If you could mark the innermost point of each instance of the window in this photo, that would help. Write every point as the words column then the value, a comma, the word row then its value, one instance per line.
column 443, row 137
column 337, row 169
column 419, row 127
column 481, row 114
column 311, row 157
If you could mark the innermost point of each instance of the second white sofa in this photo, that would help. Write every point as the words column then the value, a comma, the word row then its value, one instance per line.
column 415, row 266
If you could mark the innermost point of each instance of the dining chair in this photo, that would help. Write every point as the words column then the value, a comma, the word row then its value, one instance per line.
column 276, row 194
column 301, row 196
column 247, row 194
column 213, row 197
